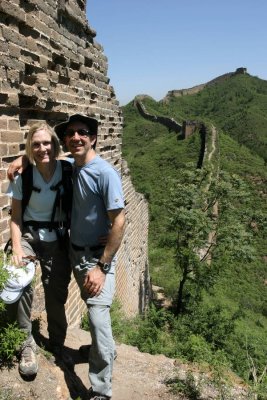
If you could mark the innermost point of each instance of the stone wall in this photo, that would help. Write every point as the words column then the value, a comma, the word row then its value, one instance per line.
column 186, row 129
column 51, row 66
column 170, row 123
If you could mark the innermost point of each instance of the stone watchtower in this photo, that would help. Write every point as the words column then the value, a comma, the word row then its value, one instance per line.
column 50, row 67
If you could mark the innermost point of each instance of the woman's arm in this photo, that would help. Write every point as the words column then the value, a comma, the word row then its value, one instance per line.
column 15, row 230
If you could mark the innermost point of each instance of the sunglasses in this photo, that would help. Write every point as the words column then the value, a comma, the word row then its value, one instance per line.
column 81, row 132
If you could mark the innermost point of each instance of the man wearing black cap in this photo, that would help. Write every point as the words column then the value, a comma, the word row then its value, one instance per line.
column 98, row 211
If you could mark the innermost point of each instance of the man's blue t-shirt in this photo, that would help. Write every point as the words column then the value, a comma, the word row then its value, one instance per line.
column 97, row 189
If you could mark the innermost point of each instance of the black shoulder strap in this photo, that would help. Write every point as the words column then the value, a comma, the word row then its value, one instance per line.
column 66, row 169
column 67, row 183
column 27, row 185
column 66, row 197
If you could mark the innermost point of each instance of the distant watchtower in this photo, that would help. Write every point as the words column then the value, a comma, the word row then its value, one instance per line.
column 241, row 70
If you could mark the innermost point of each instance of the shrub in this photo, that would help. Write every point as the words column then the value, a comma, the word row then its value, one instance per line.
column 11, row 337
column 197, row 349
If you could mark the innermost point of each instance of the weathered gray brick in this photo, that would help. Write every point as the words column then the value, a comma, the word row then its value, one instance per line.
column 3, row 149
column 13, row 36
column 11, row 137
column 13, row 100
column 13, row 124
column 12, row 9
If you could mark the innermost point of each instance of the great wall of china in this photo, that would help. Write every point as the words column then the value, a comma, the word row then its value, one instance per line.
column 209, row 155
column 184, row 129
column 52, row 66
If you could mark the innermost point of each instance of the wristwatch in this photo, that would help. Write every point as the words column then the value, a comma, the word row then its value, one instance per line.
column 105, row 267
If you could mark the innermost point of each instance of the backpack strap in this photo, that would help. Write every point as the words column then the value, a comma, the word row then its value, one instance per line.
column 27, row 187
column 57, row 201
column 63, row 201
column 27, row 184
column 67, row 182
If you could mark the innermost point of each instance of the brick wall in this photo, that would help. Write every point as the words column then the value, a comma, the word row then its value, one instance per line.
column 51, row 66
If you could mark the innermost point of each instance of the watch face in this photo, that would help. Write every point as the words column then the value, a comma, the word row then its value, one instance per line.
column 106, row 267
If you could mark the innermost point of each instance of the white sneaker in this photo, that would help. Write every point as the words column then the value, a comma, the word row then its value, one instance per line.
column 28, row 365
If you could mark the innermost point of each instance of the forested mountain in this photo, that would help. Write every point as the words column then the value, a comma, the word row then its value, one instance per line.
column 207, row 237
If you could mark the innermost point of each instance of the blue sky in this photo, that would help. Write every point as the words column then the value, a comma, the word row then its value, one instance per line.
column 154, row 46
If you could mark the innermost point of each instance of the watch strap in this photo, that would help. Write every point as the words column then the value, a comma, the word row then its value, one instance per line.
column 105, row 267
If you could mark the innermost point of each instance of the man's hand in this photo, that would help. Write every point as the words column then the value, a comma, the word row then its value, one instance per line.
column 17, row 167
column 94, row 281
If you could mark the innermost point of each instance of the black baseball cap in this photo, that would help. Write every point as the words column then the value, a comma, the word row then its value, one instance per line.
column 92, row 124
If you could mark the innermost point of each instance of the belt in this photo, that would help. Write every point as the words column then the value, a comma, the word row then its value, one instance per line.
column 81, row 248
column 45, row 224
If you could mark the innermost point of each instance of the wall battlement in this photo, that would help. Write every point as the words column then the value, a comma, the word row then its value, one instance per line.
column 50, row 67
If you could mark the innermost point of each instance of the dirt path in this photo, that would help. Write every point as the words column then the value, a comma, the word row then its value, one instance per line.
column 137, row 376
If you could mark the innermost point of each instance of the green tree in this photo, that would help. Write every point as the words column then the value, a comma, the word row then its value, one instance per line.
column 200, row 234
